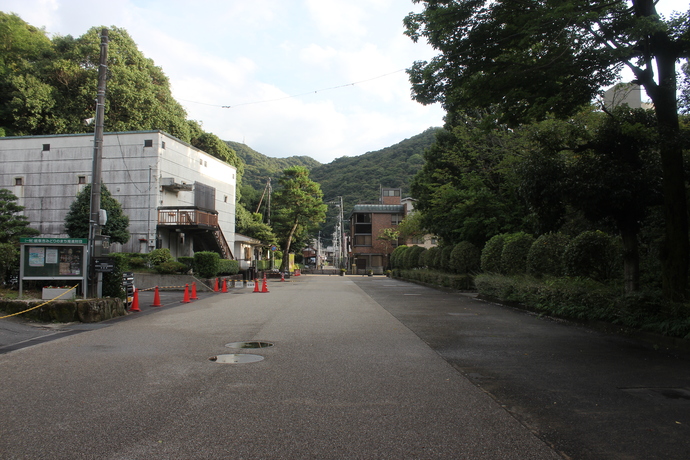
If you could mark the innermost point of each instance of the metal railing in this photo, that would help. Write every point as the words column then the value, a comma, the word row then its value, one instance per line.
column 187, row 217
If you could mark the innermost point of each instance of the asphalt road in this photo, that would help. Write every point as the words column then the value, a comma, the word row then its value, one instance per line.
column 588, row 394
column 359, row 368
column 343, row 380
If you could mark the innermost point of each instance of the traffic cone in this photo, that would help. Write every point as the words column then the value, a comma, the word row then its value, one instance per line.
column 215, row 288
column 256, row 285
column 194, row 297
column 185, row 299
column 135, row 301
column 282, row 276
column 264, row 288
column 225, row 285
column 156, row 298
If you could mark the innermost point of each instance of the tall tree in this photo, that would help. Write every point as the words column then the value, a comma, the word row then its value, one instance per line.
column 12, row 224
column 77, row 219
column 553, row 56
column 298, row 205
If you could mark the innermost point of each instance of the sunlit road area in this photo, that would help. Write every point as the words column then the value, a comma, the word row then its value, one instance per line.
column 344, row 367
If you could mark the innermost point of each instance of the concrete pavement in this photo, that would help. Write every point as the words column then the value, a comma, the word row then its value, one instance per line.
column 344, row 380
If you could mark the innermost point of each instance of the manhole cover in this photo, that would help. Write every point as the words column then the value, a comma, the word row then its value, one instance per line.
column 249, row 345
column 236, row 359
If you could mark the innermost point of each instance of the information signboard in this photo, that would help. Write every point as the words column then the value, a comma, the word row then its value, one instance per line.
column 52, row 259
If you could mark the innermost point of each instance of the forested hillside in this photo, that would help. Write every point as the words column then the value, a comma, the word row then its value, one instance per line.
column 358, row 179
column 259, row 167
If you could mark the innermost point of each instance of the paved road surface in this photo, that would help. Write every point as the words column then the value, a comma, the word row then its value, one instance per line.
column 360, row 368
column 344, row 380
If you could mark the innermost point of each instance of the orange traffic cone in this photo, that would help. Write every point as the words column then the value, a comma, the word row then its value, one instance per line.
column 215, row 287
column 156, row 298
column 256, row 285
column 185, row 299
column 282, row 276
column 264, row 288
column 135, row 301
column 194, row 297
column 225, row 285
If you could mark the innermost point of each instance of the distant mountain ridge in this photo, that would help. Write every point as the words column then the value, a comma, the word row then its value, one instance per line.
column 259, row 167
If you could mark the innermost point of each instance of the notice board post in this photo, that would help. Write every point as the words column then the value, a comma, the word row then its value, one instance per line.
column 53, row 259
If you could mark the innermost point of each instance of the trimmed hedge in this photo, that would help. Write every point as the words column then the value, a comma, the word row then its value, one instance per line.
column 159, row 256
column 171, row 267
column 206, row 264
column 437, row 278
column 546, row 255
column 465, row 258
column 228, row 267
column 491, row 254
column 593, row 255
column 516, row 246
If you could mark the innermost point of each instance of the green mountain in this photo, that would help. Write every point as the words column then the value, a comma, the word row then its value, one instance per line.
column 258, row 167
column 359, row 179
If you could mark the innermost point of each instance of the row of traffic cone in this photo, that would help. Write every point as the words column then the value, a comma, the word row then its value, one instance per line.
column 264, row 287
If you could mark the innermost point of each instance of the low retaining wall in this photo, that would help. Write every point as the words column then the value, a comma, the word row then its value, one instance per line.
column 67, row 311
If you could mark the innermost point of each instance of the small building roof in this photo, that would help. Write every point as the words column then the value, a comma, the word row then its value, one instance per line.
column 378, row 208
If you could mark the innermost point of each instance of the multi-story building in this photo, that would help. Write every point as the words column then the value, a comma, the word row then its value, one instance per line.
column 176, row 196
column 370, row 249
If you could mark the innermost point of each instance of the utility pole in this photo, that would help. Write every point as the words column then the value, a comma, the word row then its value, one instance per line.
column 94, row 217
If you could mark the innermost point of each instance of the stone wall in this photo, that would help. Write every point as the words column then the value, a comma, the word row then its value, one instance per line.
column 67, row 311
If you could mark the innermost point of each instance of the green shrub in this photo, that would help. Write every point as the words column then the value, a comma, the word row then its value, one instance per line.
column 516, row 246
column 465, row 258
column 228, row 267
column 411, row 258
column 591, row 254
column 137, row 262
column 158, row 256
column 187, row 261
column 112, row 282
column 545, row 257
column 429, row 257
column 171, row 267
column 444, row 260
column 397, row 256
column 491, row 254
column 206, row 264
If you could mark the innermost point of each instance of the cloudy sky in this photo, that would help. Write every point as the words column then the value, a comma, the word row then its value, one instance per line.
column 323, row 78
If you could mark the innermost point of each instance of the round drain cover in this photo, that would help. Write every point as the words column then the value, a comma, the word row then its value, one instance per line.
column 236, row 359
column 249, row 345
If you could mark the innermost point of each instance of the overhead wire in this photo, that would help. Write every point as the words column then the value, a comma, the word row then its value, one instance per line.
column 294, row 95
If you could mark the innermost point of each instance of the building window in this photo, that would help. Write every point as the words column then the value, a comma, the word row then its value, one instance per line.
column 362, row 240
column 163, row 144
column 396, row 219
column 201, row 162
column 391, row 192
column 363, row 224
column 18, row 181
column 418, row 240
column 148, row 143
column 225, row 199
column 46, row 147
column 81, row 179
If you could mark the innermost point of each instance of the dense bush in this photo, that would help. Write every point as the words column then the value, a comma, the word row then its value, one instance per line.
column 171, row 267
column 516, row 246
column 436, row 278
column 591, row 254
column 112, row 282
column 228, row 267
column 465, row 258
column 397, row 256
column 187, row 261
column 444, row 261
column 206, row 264
column 429, row 257
column 158, row 256
column 546, row 255
column 491, row 254
column 412, row 257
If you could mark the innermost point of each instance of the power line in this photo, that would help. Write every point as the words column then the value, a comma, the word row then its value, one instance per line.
column 295, row 95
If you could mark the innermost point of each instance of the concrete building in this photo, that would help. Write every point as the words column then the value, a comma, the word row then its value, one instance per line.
column 366, row 223
column 427, row 241
column 175, row 195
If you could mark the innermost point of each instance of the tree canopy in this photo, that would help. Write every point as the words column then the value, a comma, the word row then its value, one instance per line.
column 533, row 59
column 12, row 224
column 77, row 219
column 298, row 208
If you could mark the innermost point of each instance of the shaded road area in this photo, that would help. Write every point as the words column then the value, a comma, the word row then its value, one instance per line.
column 343, row 379
column 590, row 395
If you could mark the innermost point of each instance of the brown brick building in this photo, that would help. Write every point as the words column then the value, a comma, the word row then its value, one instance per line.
column 366, row 223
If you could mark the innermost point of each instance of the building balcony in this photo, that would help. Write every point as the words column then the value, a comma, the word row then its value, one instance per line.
column 187, row 218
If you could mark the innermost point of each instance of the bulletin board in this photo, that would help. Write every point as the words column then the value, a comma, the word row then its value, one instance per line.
column 53, row 259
